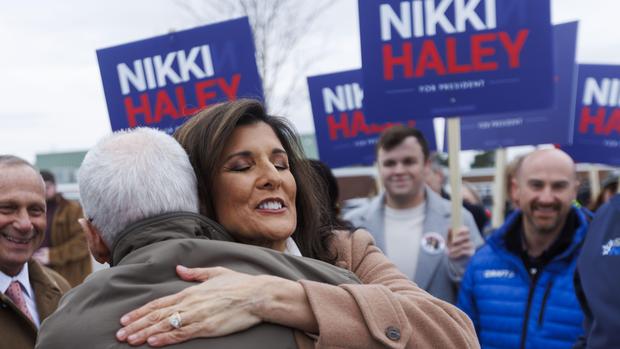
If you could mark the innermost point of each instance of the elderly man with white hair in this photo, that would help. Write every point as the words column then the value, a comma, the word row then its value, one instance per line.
column 138, row 192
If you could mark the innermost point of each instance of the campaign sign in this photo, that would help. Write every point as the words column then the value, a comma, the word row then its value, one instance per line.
column 159, row 82
column 455, row 57
column 594, row 154
column 551, row 125
column 596, row 136
column 344, row 137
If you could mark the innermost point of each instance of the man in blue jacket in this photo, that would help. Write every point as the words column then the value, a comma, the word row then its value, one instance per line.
column 518, row 288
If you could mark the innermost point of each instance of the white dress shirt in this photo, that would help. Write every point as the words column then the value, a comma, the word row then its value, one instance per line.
column 291, row 248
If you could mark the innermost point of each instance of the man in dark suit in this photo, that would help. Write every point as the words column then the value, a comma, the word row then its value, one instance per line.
column 138, row 190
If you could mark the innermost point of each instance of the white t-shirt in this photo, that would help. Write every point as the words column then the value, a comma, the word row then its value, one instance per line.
column 403, row 231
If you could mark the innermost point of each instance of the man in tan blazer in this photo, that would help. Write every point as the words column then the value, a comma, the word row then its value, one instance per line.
column 29, row 292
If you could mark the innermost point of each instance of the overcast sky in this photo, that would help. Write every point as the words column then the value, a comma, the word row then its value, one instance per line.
column 51, row 97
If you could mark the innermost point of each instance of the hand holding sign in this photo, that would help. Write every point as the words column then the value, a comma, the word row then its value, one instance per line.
column 459, row 243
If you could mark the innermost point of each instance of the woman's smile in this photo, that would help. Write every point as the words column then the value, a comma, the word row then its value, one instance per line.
column 254, row 190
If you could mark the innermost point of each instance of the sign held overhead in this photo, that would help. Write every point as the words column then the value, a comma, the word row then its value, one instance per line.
column 455, row 57
column 596, row 136
column 159, row 82
column 344, row 136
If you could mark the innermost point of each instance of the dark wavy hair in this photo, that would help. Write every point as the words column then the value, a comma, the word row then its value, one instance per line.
column 204, row 137
column 329, row 184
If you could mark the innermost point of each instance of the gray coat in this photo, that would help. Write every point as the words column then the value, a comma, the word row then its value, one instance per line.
column 435, row 273
column 143, row 268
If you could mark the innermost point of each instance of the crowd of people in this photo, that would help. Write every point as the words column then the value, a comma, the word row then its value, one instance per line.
column 226, row 235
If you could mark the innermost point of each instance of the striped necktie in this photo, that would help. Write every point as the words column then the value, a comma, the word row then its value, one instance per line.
column 14, row 292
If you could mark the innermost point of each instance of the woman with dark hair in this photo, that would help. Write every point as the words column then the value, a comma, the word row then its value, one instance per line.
column 205, row 136
column 329, row 184
column 255, row 181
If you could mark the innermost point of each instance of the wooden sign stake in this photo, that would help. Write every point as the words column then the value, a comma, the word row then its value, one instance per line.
column 499, row 189
column 454, row 148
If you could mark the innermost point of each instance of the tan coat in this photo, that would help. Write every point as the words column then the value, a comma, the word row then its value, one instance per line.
column 69, row 254
column 16, row 330
column 387, row 305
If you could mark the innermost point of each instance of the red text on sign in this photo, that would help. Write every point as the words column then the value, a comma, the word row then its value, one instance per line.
column 152, row 110
column 411, row 62
column 351, row 125
column 603, row 122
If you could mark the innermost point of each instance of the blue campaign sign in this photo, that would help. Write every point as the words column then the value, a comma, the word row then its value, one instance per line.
column 597, row 115
column 344, row 137
column 159, row 82
column 551, row 125
column 455, row 57
column 595, row 154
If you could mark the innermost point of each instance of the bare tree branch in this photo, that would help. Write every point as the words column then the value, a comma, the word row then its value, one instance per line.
column 278, row 27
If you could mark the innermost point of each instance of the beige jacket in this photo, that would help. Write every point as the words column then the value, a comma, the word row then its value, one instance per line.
column 387, row 311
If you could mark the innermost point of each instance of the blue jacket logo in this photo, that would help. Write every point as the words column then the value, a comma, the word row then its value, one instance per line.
column 498, row 273
column 612, row 247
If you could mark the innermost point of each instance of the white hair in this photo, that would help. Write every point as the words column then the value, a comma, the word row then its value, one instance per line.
column 135, row 174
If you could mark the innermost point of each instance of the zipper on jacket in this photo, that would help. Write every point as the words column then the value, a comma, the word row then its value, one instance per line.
column 544, row 303
column 530, row 295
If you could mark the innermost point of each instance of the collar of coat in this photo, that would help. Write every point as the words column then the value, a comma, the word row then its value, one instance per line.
column 167, row 226
column 497, row 240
